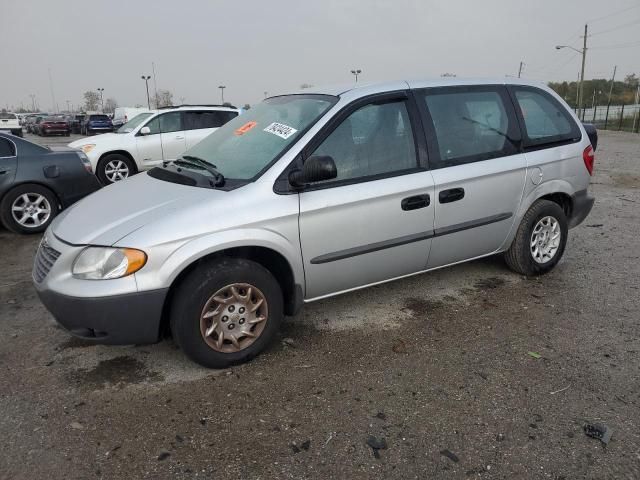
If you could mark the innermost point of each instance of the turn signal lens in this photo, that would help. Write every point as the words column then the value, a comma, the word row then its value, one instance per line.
column 87, row 148
column 589, row 157
column 136, row 258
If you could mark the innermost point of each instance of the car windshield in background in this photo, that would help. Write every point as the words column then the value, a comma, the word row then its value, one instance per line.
column 54, row 119
column 99, row 117
column 133, row 123
column 7, row 116
column 249, row 143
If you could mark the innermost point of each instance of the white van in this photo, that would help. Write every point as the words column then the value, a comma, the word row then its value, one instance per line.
column 122, row 115
column 151, row 138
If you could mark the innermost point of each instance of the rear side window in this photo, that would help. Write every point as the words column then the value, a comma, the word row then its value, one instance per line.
column 545, row 120
column 207, row 119
column 471, row 124
column 6, row 148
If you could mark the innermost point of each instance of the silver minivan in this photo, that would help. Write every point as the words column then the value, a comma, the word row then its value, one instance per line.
column 311, row 195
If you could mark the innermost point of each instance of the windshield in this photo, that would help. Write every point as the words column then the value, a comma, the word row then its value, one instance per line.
column 133, row 123
column 99, row 118
column 248, row 144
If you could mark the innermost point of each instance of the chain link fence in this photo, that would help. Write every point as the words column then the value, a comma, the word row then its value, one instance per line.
column 623, row 118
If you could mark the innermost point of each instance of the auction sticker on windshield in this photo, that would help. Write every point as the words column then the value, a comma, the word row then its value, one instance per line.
column 281, row 130
column 245, row 128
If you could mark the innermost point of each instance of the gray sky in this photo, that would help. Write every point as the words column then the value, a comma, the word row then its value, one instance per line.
column 252, row 46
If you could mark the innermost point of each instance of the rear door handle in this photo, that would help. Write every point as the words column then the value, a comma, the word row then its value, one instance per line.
column 415, row 202
column 179, row 138
column 451, row 195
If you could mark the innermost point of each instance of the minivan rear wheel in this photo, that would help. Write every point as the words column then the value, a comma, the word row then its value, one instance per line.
column 226, row 311
column 540, row 240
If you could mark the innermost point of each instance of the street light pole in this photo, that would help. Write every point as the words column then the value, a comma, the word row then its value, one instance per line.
column 583, row 52
column 222, row 87
column 33, row 102
column 146, row 80
column 68, row 110
column 101, row 99
column 520, row 69
column 356, row 72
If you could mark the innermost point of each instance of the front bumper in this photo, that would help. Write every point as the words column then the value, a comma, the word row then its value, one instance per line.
column 582, row 204
column 104, row 311
column 116, row 320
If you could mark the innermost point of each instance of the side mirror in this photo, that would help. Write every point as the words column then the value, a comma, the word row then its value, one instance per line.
column 316, row 169
column 145, row 131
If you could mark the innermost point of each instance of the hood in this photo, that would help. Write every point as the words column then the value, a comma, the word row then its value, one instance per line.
column 113, row 212
column 96, row 138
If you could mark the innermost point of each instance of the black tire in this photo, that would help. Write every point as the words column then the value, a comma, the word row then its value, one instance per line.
column 519, row 257
column 11, row 223
column 196, row 289
column 104, row 161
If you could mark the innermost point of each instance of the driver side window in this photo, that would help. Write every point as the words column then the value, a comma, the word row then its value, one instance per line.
column 375, row 139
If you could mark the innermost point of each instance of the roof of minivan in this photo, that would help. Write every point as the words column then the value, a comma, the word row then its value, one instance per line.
column 370, row 88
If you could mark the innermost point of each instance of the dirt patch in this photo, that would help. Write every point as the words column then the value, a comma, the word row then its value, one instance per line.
column 75, row 342
column 626, row 181
column 489, row 283
column 120, row 371
column 422, row 306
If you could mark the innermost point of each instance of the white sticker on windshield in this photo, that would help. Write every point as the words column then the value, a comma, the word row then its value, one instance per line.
column 281, row 130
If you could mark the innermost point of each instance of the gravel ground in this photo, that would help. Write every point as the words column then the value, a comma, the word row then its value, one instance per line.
column 436, row 368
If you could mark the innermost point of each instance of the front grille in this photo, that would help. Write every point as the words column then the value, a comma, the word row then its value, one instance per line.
column 45, row 258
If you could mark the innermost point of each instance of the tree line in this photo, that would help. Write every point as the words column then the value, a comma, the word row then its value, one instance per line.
column 623, row 92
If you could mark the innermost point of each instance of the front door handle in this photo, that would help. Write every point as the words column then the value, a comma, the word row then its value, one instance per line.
column 415, row 202
column 179, row 138
column 451, row 195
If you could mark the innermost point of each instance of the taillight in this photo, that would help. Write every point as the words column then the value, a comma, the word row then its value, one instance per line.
column 589, row 157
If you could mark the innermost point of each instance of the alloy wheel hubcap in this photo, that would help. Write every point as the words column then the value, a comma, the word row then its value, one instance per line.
column 234, row 317
column 116, row 170
column 545, row 239
column 31, row 210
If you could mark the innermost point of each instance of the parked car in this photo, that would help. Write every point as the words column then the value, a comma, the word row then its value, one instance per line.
column 96, row 123
column 311, row 195
column 76, row 123
column 122, row 115
column 55, row 125
column 10, row 123
column 36, row 183
column 35, row 128
column 150, row 138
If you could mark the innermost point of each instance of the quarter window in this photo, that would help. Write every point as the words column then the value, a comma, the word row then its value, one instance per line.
column 470, row 125
column 375, row 139
column 545, row 120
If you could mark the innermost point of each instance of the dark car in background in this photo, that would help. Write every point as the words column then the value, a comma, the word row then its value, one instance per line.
column 55, row 125
column 96, row 123
column 36, row 183
column 76, row 122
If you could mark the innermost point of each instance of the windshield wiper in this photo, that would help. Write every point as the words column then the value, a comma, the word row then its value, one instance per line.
column 200, row 163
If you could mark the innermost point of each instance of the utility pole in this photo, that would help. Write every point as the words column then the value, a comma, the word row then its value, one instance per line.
column 53, row 98
column 33, row 102
column 520, row 69
column 155, row 86
column 68, row 109
column 584, row 58
column 222, row 87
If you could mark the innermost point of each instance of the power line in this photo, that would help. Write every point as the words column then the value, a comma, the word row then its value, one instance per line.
column 619, row 45
column 617, row 27
column 598, row 19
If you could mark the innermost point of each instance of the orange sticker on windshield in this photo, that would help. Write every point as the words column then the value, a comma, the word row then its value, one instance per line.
column 245, row 128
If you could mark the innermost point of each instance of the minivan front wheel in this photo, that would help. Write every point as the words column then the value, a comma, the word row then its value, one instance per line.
column 540, row 240
column 226, row 311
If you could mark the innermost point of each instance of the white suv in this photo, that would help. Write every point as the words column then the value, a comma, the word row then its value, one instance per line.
column 10, row 123
column 151, row 138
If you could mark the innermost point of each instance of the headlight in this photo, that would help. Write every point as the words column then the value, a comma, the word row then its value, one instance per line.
column 88, row 147
column 101, row 263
